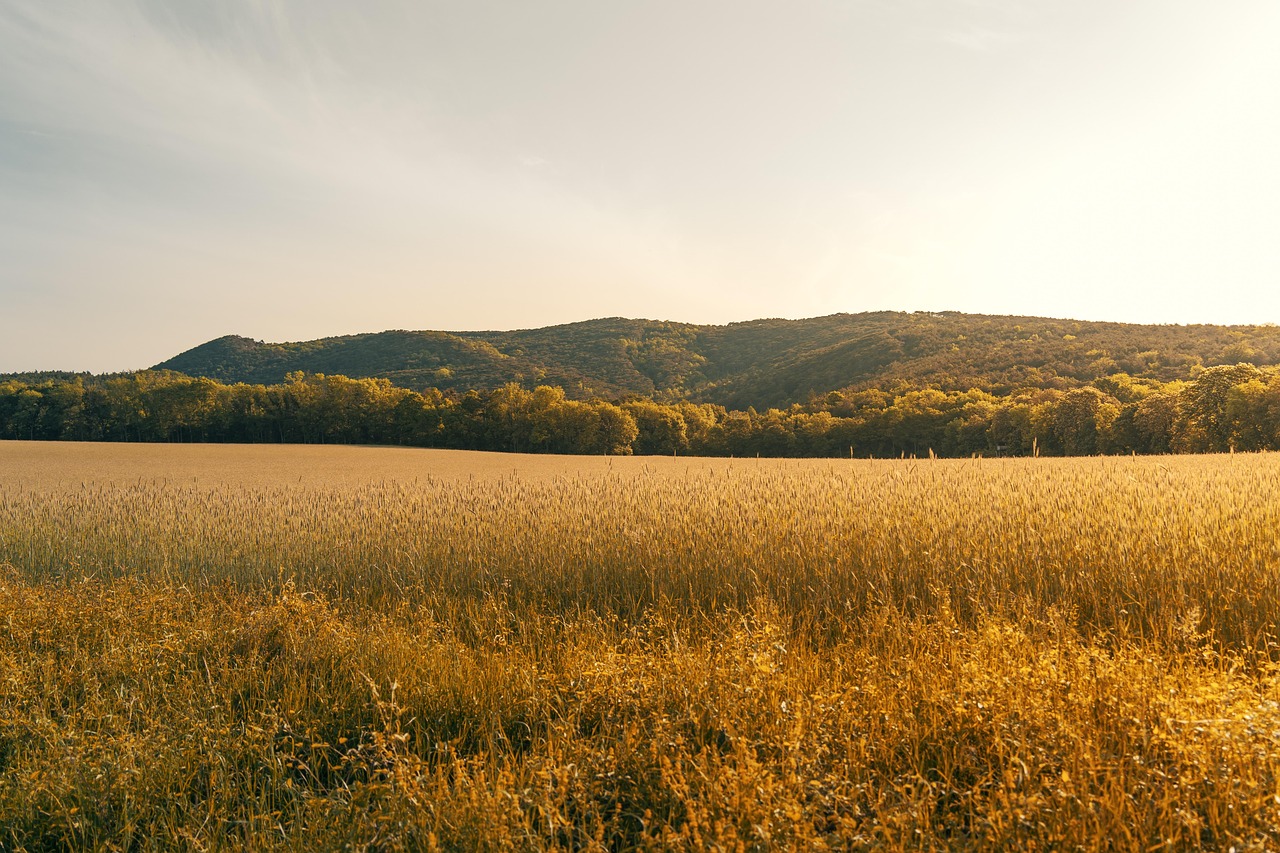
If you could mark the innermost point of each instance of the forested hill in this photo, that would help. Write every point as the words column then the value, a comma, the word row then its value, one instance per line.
column 760, row 363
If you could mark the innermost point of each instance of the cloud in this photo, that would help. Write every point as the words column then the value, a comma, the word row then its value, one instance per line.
column 177, row 171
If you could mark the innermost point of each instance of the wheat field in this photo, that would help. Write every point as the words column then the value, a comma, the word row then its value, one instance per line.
column 220, row 647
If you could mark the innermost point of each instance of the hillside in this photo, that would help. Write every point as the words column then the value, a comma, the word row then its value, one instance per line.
column 759, row 363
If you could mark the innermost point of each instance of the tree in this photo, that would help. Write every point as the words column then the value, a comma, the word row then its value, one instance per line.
column 1011, row 428
column 616, row 430
column 1076, row 419
column 661, row 429
column 1253, row 408
column 1155, row 421
column 1204, row 402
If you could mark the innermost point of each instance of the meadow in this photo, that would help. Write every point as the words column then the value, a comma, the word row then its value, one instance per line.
column 235, row 647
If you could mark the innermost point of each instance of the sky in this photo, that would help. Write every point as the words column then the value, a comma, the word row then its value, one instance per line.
column 171, row 172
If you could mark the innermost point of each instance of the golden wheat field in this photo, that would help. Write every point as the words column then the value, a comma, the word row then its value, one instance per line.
column 212, row 648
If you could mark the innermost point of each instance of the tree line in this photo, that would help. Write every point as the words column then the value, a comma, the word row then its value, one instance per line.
column 1228, row 407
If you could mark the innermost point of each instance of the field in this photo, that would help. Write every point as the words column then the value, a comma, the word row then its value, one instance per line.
column 354, row 648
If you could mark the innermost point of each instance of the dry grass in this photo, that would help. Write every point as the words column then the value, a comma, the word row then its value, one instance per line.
column 212, row 648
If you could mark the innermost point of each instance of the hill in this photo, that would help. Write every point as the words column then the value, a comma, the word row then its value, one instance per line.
column 759, row 363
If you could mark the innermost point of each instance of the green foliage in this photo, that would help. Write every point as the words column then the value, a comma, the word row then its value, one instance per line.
column 763, row 363
column 1224, row 407
column 660, row 429
column 876, row 384
column 1207, row 400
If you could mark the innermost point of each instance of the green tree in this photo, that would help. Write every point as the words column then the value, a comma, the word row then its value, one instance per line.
column 1082, row 419
column 662, row 429
column 1205, row 403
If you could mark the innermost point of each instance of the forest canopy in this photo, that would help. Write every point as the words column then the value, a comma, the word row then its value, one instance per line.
column 763, row 363
column 1215, row 409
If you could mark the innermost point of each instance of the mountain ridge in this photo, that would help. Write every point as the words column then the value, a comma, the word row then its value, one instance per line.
column 764, row 362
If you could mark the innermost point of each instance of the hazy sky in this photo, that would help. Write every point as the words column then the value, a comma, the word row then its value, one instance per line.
column 288, row 169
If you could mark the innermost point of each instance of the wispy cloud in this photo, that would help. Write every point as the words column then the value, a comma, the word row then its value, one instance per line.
column 267, row 154
column 251, row 160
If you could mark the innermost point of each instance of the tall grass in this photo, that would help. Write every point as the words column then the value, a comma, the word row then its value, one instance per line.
column 908, row 654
